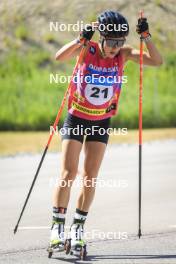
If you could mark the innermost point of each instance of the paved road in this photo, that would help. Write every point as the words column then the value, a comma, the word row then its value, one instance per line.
column 112, row 222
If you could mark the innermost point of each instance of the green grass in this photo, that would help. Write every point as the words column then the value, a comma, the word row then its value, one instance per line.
column 29, row 102
column 158, row 97
column 21, row 32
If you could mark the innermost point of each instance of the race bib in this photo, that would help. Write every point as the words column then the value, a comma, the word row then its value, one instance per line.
column 98, row 94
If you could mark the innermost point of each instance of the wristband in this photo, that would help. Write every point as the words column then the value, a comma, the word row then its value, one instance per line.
column 146, row 37
column 79, row 41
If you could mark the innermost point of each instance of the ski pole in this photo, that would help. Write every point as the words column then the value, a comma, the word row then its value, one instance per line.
column 79, row 61
column 140, row 130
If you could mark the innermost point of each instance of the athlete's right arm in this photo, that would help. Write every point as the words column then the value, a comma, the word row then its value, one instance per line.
column 69, row 50
column 73, row 48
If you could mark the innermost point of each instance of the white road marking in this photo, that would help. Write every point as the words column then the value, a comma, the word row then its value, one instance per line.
column 33, row 227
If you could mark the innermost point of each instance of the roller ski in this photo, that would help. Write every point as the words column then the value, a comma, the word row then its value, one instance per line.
column 57, row 241
column 76, row 245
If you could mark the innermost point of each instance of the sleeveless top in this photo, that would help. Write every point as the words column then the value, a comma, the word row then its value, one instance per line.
column 96, row 85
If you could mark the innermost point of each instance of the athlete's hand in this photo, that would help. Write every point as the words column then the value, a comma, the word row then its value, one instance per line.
column 142, row 27
column 87, row 33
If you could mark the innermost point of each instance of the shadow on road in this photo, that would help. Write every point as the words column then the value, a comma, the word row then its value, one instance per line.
column 112, row 257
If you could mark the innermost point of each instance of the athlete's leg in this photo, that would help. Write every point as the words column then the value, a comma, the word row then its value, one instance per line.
column 70, row 158
column 94, row 153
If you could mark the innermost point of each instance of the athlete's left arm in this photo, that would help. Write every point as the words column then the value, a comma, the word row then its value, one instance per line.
column 152, row 57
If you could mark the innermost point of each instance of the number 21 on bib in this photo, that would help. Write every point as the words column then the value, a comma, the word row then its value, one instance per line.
column 98, row 94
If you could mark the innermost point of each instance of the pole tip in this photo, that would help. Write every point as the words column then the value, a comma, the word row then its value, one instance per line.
column 15, row 230
column 139, row 234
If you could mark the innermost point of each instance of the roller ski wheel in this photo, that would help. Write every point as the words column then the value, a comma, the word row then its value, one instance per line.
column 56, row 247
column 50, row 252
column 68, row 246
column 79, row 250
column 83, row 253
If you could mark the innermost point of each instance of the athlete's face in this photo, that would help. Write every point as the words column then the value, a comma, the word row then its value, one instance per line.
column 112, row 46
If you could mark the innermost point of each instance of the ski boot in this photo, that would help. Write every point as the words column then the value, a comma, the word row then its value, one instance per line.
column 76, row 245
column 57, row 240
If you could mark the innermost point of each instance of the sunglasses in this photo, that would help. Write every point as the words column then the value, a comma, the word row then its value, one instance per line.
column 115, row 42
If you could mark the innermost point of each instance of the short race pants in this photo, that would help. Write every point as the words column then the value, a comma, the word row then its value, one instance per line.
column 78, row 129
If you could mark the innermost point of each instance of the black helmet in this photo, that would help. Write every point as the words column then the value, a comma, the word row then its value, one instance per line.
column 113, row 25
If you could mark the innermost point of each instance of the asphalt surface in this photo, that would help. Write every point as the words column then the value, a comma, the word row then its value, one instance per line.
column 112, row 223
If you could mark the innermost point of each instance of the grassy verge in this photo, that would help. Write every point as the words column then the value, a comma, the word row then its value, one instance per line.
column 29, row 102
column 12, row 143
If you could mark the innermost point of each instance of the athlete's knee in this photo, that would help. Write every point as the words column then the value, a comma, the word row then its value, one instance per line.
column 90, row 174
column 68, row 176
column 89, row 179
